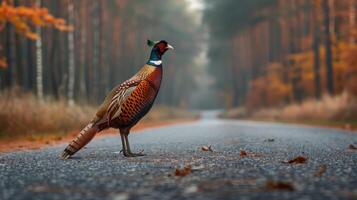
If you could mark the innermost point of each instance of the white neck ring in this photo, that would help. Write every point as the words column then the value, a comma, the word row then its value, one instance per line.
column 156, row 62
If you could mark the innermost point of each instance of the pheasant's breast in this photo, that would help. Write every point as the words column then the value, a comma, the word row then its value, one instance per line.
column 140, row 101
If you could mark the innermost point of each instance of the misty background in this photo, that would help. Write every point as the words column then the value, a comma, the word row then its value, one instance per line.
column 228, row 53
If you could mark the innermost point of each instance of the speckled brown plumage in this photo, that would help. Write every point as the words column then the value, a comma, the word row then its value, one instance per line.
column 125, row 105
column 137, row 104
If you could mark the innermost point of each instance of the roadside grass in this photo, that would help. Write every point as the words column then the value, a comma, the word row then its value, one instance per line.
column 339, row 111
column 23, row 117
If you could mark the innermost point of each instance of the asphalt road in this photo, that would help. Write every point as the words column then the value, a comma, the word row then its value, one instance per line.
column 100, row 172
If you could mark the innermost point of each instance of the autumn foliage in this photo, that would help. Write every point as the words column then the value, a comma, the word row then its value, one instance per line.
column 271, row 90
column 280, row 52
column 107, row 45
column 24, row 18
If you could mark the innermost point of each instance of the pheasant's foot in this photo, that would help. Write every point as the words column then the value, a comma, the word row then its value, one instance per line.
column 137, row 154
column 131, row 154
column 125, row 153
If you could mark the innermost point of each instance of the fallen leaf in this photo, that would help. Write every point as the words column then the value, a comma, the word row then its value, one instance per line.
column 321, row 170
column 351, row 146
column 278, row 185
column 297, row 160
column 243, row 153
column 184, row 171
column 207, row 148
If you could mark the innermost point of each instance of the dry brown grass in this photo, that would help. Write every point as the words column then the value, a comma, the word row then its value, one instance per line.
column 22, row 115
column 341, row 107
column 337, row 110
column 25, row 115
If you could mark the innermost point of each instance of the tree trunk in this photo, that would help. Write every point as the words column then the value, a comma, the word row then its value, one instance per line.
column 352, row 21
column 39, row 67
column 316, row 50
column 83, row 41
column 96, row 48
column 11, row 57
column 332, row 11
column 328, row 47
column 71, row 70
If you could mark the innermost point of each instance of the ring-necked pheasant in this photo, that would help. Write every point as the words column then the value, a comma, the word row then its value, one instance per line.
column 126, row 104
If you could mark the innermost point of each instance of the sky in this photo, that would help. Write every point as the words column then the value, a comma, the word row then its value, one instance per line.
column 196, row 5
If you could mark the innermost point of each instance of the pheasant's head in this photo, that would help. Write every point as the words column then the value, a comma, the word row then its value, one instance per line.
column 159, row 48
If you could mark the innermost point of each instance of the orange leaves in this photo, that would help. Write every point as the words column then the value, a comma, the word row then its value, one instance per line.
column 3, row 63
column 267, row 91
column 285, row 80
column 31, row 35
column 22, row 17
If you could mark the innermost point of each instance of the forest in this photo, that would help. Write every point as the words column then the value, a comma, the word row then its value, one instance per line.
column 105, row 46
column 59, row 59
column 263, row 58
column 268, row 53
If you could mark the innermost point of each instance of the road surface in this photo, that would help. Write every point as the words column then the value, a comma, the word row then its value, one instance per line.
column 100, row 172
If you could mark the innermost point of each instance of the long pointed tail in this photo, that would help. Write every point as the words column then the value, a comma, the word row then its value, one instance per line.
column 85, row 136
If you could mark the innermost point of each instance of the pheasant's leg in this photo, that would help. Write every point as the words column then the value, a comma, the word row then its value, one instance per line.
column 122, row 136
column 131, row 154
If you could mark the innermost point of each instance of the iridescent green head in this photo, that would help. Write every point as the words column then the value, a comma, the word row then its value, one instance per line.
column 158, row 49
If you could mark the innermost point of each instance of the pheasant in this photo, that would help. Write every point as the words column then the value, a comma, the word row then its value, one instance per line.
column 126, row 104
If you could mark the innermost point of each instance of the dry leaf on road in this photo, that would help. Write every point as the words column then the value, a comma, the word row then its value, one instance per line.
column 297, row 160
column 278, row 185
column 207, row 148
column 351, row 146
column 243, row 153
column 184, row 171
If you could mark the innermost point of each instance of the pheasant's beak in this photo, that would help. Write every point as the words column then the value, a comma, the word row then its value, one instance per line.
column 169, row 47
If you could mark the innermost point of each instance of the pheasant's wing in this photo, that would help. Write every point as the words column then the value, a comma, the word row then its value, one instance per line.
column 139, row 102
column 121, row 94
